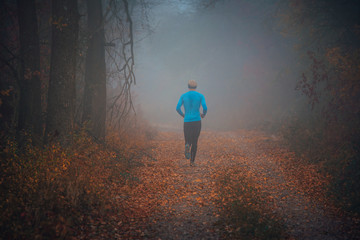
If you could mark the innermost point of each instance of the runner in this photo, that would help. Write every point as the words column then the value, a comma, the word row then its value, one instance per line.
column 192, row 118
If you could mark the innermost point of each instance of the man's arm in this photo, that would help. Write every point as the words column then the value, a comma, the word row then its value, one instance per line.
column 178, row 107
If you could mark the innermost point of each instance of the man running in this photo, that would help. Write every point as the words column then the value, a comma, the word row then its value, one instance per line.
column 192, row 118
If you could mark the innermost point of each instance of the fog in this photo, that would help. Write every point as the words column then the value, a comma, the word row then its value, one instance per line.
column 234, row 52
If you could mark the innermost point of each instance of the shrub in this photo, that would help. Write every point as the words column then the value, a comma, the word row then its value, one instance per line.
column 50, row 192
column 335, row 148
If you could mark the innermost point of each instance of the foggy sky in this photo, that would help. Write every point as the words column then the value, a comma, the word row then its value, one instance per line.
column 233, row 53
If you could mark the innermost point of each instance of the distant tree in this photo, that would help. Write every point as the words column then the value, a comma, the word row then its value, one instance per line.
column 121, row 61
column 29, row 117
column 328, row 34
column 61, row 96
column 94, row 105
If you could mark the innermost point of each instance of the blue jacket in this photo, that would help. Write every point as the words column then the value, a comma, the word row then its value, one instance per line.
column 191, row 101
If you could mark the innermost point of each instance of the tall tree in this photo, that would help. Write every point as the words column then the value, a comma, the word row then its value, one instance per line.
column 29, row 81
column 61, row 98
column 94, row 112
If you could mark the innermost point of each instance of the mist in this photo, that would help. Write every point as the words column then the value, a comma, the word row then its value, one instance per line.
column 92, row 145
column 231, row 49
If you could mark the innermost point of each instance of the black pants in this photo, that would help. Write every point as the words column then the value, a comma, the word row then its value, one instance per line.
column 192, row 133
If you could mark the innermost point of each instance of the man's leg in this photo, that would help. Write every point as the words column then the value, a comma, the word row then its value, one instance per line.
column 187, row 136
column 196, row 128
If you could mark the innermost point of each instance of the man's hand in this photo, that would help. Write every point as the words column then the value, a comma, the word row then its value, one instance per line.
column 202, row 115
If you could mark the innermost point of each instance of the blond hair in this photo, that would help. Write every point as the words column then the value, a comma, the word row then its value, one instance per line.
column 192, row 84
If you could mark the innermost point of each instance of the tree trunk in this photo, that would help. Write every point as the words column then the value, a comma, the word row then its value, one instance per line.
column 94, row 112
column 61, row 97
column 29, row 82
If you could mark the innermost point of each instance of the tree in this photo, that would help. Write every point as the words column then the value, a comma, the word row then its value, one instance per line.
column 329, row 35
column 61, row 97
column 94, row 111
column 9, row 55
column 29, row 118
column 120, row 62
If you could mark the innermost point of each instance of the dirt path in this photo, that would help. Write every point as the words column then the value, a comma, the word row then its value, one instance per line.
column 188, row 212
column 187, row 194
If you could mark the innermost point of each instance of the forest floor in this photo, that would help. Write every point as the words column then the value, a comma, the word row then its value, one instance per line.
column 172, row 200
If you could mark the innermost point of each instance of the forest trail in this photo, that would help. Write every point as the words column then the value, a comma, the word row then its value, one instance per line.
column 186, row 196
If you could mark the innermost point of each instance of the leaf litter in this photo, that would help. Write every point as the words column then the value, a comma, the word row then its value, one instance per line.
column 172, row 200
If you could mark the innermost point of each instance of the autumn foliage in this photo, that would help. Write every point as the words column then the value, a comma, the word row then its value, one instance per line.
column 327, row 135
column 55, row 191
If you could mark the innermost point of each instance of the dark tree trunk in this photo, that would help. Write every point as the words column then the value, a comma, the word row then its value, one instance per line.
column 29, row 82
column 94, row 112
column 61, row 97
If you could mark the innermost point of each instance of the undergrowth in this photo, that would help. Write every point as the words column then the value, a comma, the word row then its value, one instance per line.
column 52, row 192
column 243, row 210
column 335, row 149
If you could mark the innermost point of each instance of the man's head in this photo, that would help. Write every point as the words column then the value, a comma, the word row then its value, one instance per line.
column 192, row 84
